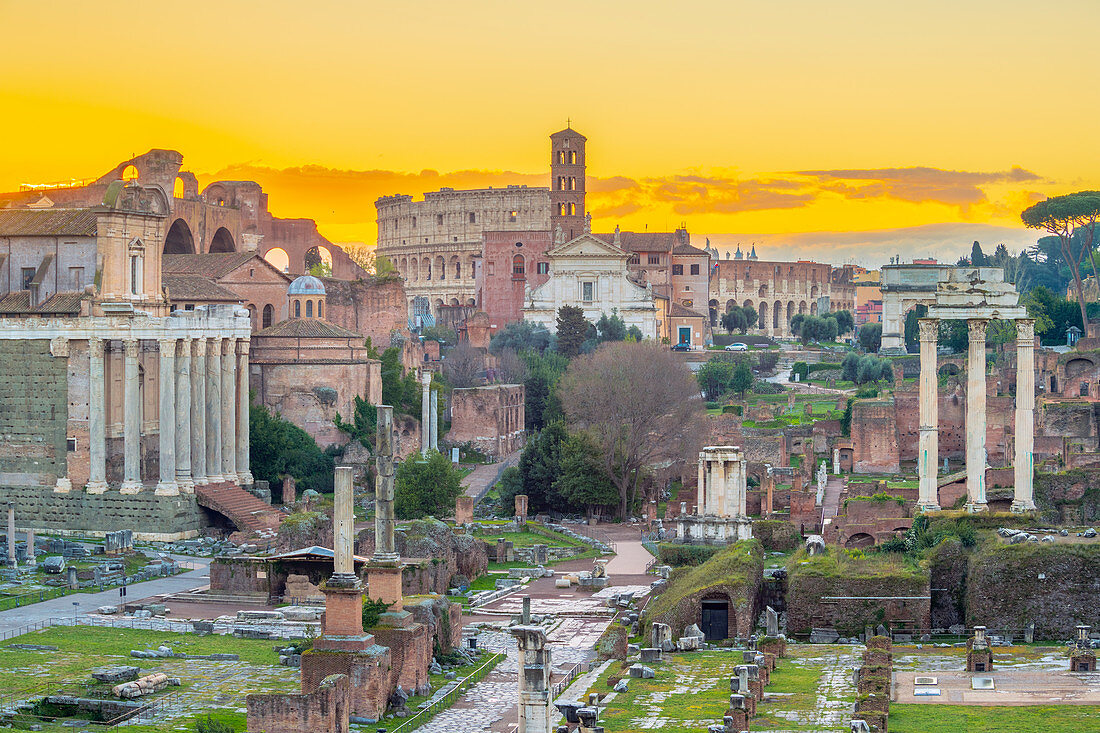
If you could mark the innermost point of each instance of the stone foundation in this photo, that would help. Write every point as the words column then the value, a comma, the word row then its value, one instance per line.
column 327, row 708
column 368, row 672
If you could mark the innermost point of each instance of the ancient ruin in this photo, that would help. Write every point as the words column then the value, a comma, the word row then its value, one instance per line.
column 721, row 517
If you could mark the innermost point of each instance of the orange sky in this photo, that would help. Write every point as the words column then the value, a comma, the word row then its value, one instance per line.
column 840, row 131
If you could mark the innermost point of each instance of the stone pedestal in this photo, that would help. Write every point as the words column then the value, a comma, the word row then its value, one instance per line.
column 384, row 583
column 464, row 510
column 534, row 680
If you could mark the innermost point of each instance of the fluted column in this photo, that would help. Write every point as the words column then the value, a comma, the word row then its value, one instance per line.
column 244, row 474
column 229, row 409
column 700, row 491
column 214, row 410
column 1024, row 500
column 383, row 514
column 434, row 431
column 97, row 420
column 928, row 453
column 167, row 486
column 131, row 415
column 198, row 414
column 183, row 418
column 425, row 412
column 975, row 417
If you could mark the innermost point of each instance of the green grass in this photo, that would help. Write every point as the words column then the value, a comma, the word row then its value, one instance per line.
column 925, row 718
column 186, row 723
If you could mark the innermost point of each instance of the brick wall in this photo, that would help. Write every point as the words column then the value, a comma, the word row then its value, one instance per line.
column 326, row 709
column 34, row 397
column 875, row 436
column 490, row 418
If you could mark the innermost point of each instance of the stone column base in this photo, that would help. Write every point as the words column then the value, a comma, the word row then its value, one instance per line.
column 1021, row 507
column 186, row 486
column 63, row 486
column 130, row 487
column 928, row 507
column 167, row 489
column 976, row 508
column 95, row 487
column 245, row 478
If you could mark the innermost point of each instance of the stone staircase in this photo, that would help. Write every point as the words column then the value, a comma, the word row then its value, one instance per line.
column 242, row 508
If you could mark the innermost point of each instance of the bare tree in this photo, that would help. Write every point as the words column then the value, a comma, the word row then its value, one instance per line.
column 464, row 366
column 510, row 368
column 641, row 407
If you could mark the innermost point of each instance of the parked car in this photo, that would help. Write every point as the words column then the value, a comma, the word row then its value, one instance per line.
column 737, row 346
column 684, row 346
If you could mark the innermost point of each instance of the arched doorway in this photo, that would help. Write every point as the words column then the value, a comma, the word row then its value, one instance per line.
column 179, row 240
column 859, row 541
column 222, row 241
column 763, row 316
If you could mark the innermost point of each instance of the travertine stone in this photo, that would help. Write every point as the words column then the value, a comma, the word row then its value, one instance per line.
column 344, row 523
column 97, row 420
column 425, row 412
column 229, row 409
column 1025, row 416
column 183, row 417
column 131, row 429
column 928, row 449
column 244, row 474
column 167, row 486
column 214, row 410
column 975, row 417
column 198, row 413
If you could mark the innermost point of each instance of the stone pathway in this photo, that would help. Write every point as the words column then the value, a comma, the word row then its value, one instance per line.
column 478, row 482
column 631, row 558
column 830, row 503
column 835, row 695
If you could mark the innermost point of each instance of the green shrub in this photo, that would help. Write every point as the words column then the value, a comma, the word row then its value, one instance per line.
column 210, row 724
column 685, row 555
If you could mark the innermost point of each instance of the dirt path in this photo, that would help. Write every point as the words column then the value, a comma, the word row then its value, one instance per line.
column 478, row 482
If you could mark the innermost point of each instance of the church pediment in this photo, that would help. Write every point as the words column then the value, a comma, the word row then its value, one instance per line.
column 587, row 245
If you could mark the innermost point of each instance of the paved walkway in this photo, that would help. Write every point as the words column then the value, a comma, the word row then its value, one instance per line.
column 89, row 602
column 830, row 503
column 631, row 559
column 478, row 482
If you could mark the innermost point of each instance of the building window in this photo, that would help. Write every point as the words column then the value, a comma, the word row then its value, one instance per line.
column 588, row 291
column 654, row 259
column 561, row 157
column 634, row 259
column 76, row 278
column 572, row 209
column 677, row 269
column 297, row 309
column 414, row 221
column 542, row 268
column 491, row 268
column 439, row 220
column 320, row 309
column 572, row 156
column 695, row 269
column 27, row 274
column 518, row 266
column 512, row 215
column 269, row 313
column 473, row 218
column 572, row 183
column 135, row 274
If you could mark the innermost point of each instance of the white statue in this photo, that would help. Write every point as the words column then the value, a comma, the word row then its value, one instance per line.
column 588, row 223
column 559, row 235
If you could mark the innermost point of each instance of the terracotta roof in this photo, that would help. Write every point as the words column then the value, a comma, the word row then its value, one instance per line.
column 20, row 302
column 642, row 241
column 47, row 222
column 196, row 287
column 307, row 328
column 214, row 265
column 680, row 311
column 687, row 249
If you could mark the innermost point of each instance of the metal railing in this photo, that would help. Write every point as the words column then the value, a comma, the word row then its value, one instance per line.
column 447, row 700
column 25, row 599
column 559, row 687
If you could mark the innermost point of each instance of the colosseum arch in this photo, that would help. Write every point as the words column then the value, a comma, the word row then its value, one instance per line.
column 763, row 315
column 440, row 268
column 414, row 270
column 179, row 241
column 777, row 314
column 802, row 308
column 222, row 241
column 790, row 311
column 712, row 306
column 456, row 267
column 426, row 268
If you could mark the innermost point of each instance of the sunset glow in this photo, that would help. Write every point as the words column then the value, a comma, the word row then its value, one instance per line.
column 843, row 131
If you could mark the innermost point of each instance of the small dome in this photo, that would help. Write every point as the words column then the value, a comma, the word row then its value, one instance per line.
column 306, row 285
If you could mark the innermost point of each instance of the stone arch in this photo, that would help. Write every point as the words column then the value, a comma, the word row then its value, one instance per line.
column 278, row 258
column 790, row 311
column 470, row 268
column 729, row 305
column 179, row 188
column 317, row 255
column 268, row 316
column 414, row 270
column 440, row 268
column 222, row 241
column 813, row 307
column 426, row 268
column 454, row 302
column 763, row 290
column 519, row 267
column 712, row 307
column 438, row 308
column 179, row 241
column 763, row 315
column 777, row 313
column 949, row 369
column 1078, row 366
column 814, row 291
column 471, row 302
column 859, row 540
column 802, row 308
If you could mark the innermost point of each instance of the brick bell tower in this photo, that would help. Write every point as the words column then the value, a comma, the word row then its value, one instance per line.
column 567, row 166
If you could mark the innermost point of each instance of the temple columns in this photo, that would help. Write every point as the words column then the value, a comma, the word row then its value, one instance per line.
column 131, row 427
column 97, row 420
column 198, row 414
column 244, row 474
column 425, row 412
column 928, row 454
column 229, row 409
column 183, row 418
column 1023, row 500
column 214, row 410
column 975, row 417
column 167, row 485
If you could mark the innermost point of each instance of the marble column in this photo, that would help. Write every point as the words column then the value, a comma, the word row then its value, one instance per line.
column 183, row 418
column 425, row 412
column 929, row 446
column 700, row 490
column 344, row 524
column 167, row 485
column 198, row 414
column 384, row 487
column 131, row 419
column 975, row 417
column 1023, row 500
column 31, row 561
column 97, row 420
column 214, row 410
column 244, row 474
column 11, row 536
column 229, row 409
column 435, row 419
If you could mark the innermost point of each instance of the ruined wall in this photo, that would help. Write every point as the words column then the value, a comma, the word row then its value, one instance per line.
column 875, row 436
column 1072, row 497
column 1005, row 590
column 370, row 307
column 34, row 414
column 489, row 418
column 326, row 709
column 447, row 554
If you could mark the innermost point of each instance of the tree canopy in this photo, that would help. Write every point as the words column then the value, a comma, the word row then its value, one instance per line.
column 1072, row 219
column 426, row 486
column 572, row 330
